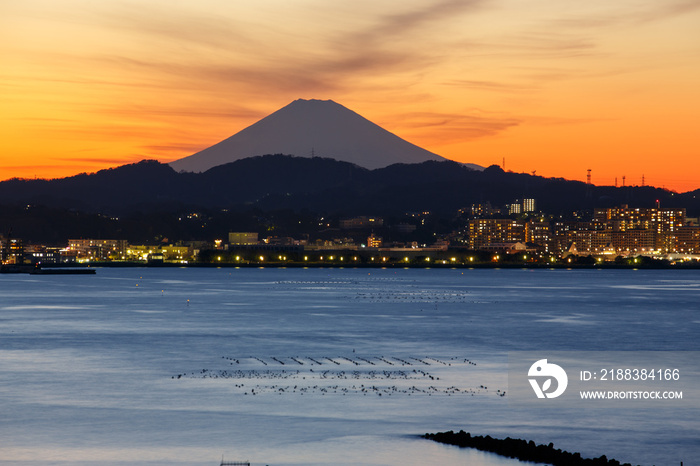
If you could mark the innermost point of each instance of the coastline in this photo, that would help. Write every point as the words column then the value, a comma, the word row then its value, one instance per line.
column 332, row 265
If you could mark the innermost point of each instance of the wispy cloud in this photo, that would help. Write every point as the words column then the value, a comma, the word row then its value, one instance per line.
column 621, row 14
column 94, row 160
column 448, row 128
column 494, row 86
column 177, row 148
column 334, row 65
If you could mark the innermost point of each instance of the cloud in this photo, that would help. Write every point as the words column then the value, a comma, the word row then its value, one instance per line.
column 406, row 23
column 240, row 57
column 562, row 121
column 494, row 86
column 621, row 14
column 178, row 148
column 222, row 111
column 448, row 128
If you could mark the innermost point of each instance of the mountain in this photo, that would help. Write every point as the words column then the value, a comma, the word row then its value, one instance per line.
column 305, row 128
column 323, row 186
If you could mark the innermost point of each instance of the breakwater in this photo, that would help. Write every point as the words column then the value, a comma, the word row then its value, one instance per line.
column 520, row 449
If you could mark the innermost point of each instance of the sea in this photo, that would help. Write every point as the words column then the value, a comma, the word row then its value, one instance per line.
column 341, row 366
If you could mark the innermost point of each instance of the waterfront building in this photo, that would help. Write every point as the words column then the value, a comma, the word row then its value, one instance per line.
column 665, row 223
column 633, row 242
column 98, row 249
column 483, row 231
column 688, row 239
column 538, row 231
column 507, row 248
column 242, row 238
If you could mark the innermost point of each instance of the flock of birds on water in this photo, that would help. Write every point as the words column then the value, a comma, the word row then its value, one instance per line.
column 341, row 375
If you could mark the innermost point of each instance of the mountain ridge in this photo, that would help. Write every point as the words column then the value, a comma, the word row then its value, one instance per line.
column 322, row 185
column 286, row 195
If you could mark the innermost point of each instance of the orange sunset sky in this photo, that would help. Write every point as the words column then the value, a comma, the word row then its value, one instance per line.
column 553, row 86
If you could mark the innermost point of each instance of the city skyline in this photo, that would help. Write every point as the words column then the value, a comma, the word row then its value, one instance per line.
column 552, row 88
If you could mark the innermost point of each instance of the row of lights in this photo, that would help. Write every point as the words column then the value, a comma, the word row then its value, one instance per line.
column 355, row 258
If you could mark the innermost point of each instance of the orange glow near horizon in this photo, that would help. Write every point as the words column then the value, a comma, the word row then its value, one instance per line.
column 553, row 87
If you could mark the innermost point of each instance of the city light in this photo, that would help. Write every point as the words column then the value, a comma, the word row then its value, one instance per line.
column 620, row 234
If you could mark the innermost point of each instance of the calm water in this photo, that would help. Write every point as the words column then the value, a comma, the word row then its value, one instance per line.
column 323, row 366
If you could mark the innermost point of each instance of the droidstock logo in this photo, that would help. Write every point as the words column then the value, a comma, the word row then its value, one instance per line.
column 545, row 372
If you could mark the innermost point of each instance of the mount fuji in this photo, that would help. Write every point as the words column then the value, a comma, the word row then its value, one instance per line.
column 308, row 128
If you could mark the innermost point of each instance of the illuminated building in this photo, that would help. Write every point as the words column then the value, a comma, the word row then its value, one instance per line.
column 374, row 241
column 633, row 241
column 688, row 239
column 528, row 205
column 507, row 248
column 538, row 231
column 665, row 223
column 98, row 249
column 588, row 236
column 485, row 231
column 482, row 210
column 239, row 238
column 12, row 251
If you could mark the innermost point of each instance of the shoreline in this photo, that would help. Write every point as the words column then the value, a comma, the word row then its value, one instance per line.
column 330, row 265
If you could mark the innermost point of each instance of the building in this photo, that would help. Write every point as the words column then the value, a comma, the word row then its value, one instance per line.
column 43, row 255
column 507, row 248
column 482, row 210
column 589, row 241
column 483, row 231
column 242, row 238
column 665, row 223
column 688, row 239
column 281, row 241
column 361, row 222
column 588, row 236
column 374, row 241
column 12, row 251
column 538, row 231
column 625, row 218
column 528, row 205
column 98, row 249
column 177, row 253
column 633, row 241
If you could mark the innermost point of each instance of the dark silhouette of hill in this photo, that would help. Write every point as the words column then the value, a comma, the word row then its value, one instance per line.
column 321, row 185
column 146, row 183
